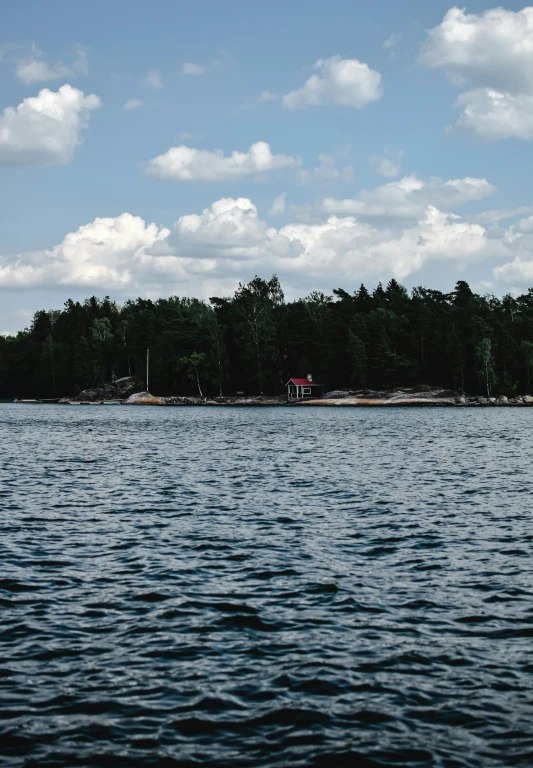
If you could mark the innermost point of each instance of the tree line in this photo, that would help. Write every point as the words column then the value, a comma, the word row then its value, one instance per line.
column 254, row 341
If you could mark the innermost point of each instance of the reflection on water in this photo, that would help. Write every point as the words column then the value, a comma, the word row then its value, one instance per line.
column 237, row 587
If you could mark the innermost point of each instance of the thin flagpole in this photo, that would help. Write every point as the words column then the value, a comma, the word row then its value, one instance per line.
column 147, row 370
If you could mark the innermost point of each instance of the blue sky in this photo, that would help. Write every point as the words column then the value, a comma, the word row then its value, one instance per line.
column 119, row 190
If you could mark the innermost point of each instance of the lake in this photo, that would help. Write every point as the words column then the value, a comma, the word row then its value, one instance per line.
column 266, row 587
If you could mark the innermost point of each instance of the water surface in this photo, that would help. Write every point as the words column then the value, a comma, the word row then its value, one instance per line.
column 265, row 587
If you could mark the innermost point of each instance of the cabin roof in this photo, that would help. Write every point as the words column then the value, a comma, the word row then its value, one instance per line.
column 303, row 383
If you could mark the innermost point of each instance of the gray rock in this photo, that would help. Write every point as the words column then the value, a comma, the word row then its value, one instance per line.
column 119, row 390
column 337, row 394
column 90, row 395
column 445, row 393
column 143, row 398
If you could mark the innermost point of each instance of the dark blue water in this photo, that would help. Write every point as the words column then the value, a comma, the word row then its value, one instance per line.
column 266, row 587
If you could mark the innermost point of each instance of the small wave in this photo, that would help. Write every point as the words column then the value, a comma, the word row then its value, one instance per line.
column 207, row 602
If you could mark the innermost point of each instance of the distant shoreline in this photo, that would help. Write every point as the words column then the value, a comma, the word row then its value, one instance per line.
column 341, row 399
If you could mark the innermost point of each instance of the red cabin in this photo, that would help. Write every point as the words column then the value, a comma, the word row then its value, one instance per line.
column 303, row 389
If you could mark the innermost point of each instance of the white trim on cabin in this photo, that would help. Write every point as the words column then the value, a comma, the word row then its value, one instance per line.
column 299, row 391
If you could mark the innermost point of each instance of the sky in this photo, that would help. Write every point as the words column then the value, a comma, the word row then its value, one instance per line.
column 177, row 148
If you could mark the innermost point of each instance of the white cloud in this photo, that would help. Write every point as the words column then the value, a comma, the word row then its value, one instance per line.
column 326, row 172
column 190, row 68
column 133, row 104
column 519, row 240
column 391, row 41
column 105, row 253
column 343, row 82
column 230, row 240
column 492, row 115
column 266, row 96
column 390, row 165
column 278, row 205
column 229, row 226
column 211, row 251
column 494, row 216
column 153, row 80
column 409, row 197
column 492, row 55
column 390, row 44
column 493, row 49
column 187, row 164
column 36, row 69
column 516, row 272
column 45, row 129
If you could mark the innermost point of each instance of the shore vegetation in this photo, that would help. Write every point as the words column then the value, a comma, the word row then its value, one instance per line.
column 253, row 341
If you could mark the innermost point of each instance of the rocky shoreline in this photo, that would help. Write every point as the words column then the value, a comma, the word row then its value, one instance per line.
column 414, row 397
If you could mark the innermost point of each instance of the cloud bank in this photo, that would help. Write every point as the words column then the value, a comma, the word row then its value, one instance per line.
column 395, row 230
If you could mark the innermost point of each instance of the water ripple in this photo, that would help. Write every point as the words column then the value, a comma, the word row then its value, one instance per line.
column 266, row 587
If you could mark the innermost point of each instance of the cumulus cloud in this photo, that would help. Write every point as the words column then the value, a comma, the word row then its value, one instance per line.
column 493, row 49
column 409, row 197
column 229, row 242
column 326, row 172
column 209, row 252
column 493, row 115
column 45, row 129
column 343, row 82
column 490, row 53
column 229, row 226
column 108, row 252
column 35, row 69
column 187, row 164
column 133, row 104
column 190, row 68
column 153, row 80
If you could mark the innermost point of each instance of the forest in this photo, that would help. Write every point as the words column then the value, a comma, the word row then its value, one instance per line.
column 254, row 341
